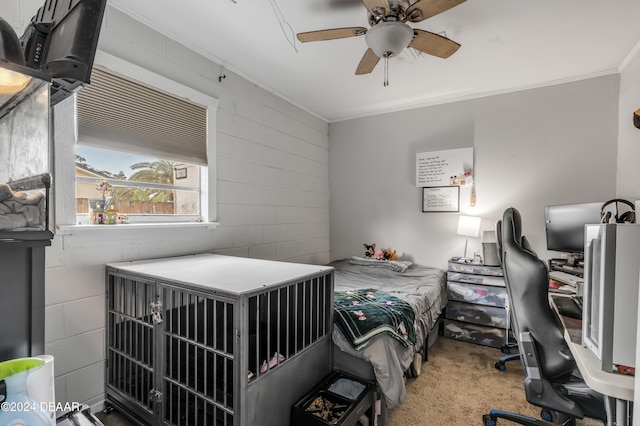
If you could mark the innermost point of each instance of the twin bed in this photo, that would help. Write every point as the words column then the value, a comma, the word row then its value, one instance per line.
column 386, row 357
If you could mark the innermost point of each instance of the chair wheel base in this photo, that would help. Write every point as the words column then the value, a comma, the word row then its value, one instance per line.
column 491, row 419
column 487, row 420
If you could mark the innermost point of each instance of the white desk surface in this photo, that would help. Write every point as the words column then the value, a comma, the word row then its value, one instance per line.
column 611, row 384
column 614, row 385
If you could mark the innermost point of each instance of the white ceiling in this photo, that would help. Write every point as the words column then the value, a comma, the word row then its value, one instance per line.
column 506, row 45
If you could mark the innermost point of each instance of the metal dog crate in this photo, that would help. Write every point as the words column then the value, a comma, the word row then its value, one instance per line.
column 211, row 340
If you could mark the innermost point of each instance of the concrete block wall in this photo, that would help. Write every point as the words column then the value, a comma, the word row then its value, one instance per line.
column 273, row 177
column 272, row 197
column 516, row 163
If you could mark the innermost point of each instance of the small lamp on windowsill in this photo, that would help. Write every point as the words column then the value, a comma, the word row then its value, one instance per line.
column 468, row 226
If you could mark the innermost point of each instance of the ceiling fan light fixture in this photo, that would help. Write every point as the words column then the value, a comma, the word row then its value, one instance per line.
column 388, row 38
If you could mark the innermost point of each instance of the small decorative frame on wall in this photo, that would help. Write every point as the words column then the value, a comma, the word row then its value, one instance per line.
column 181, row 173
column 441, row 199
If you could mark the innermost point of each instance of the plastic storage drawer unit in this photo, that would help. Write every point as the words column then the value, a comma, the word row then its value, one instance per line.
column 473, row 333
column 477, row 314
column 476, row 279
column 477, row 309
column 479, row 294
column 475, row 268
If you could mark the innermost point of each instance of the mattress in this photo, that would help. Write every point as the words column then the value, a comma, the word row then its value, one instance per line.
column 423, row 288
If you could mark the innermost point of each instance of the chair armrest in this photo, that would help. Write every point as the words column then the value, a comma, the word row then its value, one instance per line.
column 530, row 360
column 538, row 390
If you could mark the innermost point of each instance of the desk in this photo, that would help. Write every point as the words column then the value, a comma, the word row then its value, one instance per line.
column 616, row 388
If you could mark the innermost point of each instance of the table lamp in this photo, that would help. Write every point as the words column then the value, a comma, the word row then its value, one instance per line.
column 468, row 226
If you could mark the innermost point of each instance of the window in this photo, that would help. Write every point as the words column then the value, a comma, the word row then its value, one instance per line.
column 146, row 144
column 142, row 186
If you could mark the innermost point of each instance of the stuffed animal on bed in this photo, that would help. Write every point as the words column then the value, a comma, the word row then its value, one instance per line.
column 387, row 254
column 369, row 250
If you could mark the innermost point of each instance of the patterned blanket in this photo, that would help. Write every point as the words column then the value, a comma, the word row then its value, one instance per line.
column 362, row 315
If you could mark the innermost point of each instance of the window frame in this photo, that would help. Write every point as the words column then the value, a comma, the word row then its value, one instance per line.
column 66, row 137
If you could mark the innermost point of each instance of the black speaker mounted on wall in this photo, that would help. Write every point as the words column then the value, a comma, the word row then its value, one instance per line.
column 636, row 118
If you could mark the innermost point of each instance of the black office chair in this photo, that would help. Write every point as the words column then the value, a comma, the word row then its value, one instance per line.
column 501, row 364
column 550, row 382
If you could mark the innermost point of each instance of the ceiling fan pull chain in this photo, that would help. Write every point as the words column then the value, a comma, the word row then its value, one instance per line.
column 386, row 70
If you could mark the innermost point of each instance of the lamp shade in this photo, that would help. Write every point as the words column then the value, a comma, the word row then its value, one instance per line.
column 469, row 226
column 388, row 38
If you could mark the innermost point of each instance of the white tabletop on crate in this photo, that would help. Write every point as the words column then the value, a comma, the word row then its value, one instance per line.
column 235, row 275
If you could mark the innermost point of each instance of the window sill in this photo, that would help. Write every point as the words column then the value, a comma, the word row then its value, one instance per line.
column 72, row 229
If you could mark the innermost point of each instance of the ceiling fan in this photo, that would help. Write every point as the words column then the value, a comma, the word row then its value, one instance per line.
column 390, row 34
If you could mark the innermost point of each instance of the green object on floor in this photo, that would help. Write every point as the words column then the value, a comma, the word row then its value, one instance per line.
column 18, row 365
column 18, row 408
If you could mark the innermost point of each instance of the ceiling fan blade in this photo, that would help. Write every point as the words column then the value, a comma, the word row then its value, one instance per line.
column 377, row 7
column 331, row 34
column 423, row 9
column 367, row 63
column 433, row 44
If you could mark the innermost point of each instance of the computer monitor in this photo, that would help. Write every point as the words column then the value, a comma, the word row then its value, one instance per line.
column 61, row 41
column 565, row 225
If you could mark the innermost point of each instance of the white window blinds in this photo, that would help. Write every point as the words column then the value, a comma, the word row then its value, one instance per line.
column 121, row 114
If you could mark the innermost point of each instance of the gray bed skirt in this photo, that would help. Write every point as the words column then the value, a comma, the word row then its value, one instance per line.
column 363, row 369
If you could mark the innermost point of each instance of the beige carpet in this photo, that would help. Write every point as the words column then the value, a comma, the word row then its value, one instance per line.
column 459, row 384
